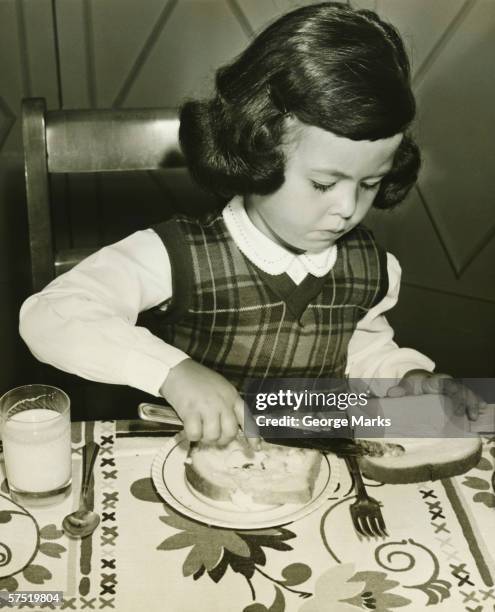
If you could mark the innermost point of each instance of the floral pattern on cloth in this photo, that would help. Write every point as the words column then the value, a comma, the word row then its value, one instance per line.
column 214, row 550
column 24, row 547
column 342, row 588
column 438, row 556
column 479, row 483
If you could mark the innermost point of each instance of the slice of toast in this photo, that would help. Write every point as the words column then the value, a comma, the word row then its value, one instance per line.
column 436, row 441
column 275, row 475
column 423, row 459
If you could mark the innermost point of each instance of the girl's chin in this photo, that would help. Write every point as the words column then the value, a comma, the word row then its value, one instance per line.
column 313, row 243
column 315, row 250
column 317, row 246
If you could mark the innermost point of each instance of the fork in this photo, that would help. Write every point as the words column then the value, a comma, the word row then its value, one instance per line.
column 365, row 511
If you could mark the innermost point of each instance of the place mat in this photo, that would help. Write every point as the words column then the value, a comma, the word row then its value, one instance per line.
column 144, row 555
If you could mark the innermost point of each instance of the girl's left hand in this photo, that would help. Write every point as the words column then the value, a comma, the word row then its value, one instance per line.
column 420, row 382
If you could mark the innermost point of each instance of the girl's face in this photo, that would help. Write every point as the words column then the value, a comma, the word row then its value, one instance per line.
column 330, row 184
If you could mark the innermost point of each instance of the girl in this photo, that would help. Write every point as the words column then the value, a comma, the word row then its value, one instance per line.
column 307, row 130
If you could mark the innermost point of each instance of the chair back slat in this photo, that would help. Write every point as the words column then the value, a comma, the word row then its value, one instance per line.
column 108, row 140
column 85, row 141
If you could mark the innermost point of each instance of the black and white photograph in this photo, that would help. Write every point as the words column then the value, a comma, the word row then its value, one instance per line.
column 248, row 315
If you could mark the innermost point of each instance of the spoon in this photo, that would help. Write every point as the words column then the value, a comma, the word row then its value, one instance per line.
column 83, row 521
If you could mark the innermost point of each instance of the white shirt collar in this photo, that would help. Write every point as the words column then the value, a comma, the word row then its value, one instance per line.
column 268, row 255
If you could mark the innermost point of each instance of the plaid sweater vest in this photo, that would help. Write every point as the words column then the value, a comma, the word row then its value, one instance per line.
column 236, row 319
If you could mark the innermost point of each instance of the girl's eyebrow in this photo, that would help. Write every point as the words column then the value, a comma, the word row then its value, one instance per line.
column 339, row 174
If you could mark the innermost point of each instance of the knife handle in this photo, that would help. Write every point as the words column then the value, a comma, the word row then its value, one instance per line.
column 159, row 414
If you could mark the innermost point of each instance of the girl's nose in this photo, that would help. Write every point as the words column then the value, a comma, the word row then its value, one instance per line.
column 344, row 201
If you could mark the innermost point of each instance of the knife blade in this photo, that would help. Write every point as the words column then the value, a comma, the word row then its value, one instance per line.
column 344, row 447
column 340, row 446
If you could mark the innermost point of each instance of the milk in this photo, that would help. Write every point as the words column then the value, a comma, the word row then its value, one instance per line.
column 37, row 451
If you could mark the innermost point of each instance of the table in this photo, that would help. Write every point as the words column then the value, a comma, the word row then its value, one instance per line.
column 144, row 555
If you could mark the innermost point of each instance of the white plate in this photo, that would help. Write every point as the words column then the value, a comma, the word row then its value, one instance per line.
column 168, row 474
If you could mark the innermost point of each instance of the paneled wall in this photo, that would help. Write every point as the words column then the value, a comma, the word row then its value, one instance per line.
column 444, row 236
column 128, row 53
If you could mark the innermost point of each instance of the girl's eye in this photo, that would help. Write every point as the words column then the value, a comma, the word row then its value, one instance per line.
column 322, row 186
column 371, row 186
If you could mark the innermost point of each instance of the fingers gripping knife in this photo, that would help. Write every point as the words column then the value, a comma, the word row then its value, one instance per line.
column 166, row 414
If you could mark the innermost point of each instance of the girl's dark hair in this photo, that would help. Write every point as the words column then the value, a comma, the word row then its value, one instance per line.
column 330, row 66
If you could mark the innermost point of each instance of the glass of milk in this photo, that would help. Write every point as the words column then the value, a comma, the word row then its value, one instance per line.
column 35, row 431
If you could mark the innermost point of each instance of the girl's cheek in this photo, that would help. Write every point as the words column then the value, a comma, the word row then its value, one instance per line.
column 366, row 205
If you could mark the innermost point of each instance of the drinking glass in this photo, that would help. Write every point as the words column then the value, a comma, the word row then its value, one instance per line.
column 35, row 430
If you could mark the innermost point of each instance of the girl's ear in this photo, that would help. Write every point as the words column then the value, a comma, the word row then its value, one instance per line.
column 290, row 134
column 292, row 126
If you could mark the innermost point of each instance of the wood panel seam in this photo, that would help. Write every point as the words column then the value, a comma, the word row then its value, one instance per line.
column 444, row 39
column 144, row 53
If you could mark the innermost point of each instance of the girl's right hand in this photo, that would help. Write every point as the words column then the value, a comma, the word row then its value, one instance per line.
column 209, row 405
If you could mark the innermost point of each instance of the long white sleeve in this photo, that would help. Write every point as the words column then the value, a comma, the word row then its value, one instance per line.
column 372, row 353
column 84, row 321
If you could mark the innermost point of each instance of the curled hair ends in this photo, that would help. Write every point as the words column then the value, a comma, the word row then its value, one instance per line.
column 229, row 157
column 399, row 181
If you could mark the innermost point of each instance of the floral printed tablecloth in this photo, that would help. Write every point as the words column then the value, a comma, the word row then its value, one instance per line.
column 144, row 555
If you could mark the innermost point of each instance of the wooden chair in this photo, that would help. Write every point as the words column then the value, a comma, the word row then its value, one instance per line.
column 85, row 141
column 88, row 141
